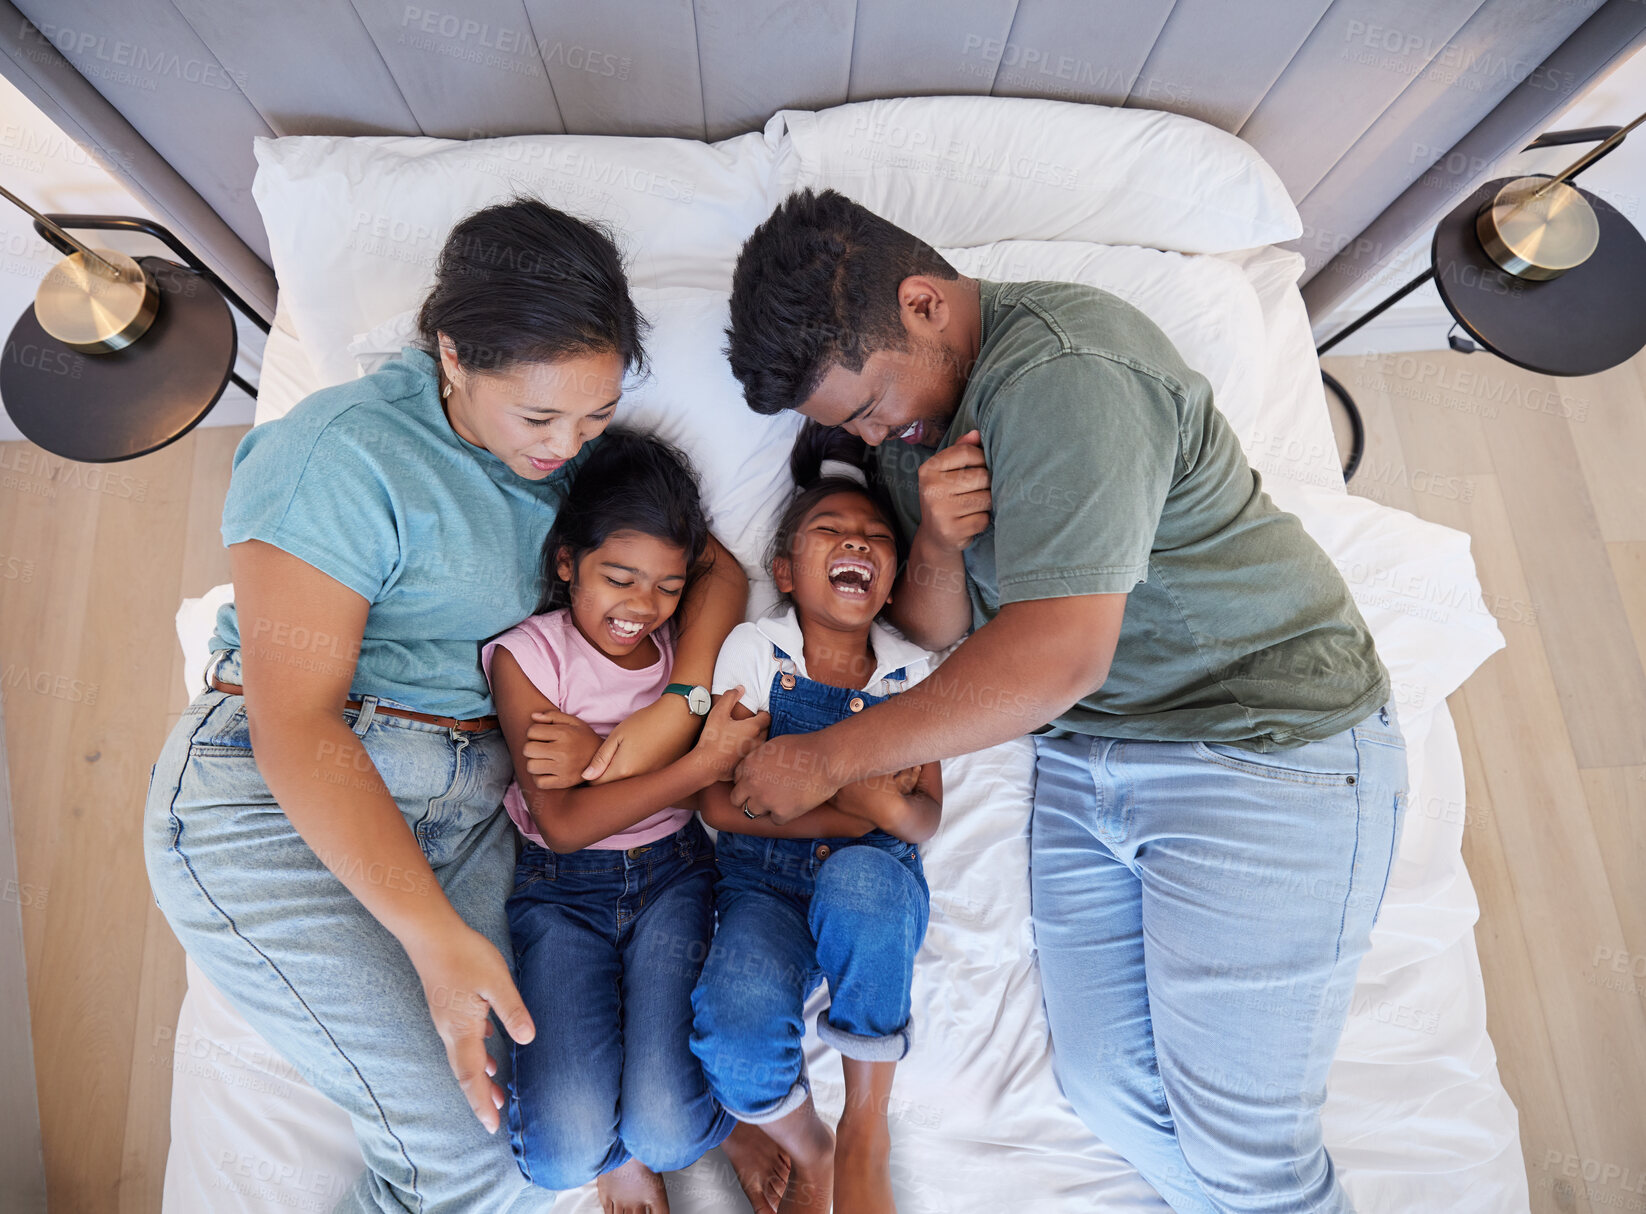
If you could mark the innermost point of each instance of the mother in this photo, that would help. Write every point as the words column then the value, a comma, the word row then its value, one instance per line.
column 324, row 828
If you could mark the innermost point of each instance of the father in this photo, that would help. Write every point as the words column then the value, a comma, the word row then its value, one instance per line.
column 1218, row 776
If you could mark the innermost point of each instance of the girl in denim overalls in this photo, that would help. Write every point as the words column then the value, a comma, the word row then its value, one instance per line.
column 838, row 894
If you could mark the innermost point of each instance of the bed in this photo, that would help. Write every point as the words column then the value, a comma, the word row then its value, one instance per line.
column 1180, row 219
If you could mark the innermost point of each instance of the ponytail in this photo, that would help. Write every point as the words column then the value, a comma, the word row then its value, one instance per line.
column 828, row 460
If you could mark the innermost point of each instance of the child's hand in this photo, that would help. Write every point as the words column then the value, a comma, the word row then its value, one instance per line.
column 558, row 747
column 725, row 740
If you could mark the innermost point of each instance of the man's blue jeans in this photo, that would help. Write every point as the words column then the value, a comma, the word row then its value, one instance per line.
column 308, row 966
column 610, row 943
column 792, row 912
column 1200, row 912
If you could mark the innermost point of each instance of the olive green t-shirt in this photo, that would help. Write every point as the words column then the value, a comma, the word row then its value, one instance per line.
column 1113, row 473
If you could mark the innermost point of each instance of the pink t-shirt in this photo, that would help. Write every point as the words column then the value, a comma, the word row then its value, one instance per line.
column 581, row 680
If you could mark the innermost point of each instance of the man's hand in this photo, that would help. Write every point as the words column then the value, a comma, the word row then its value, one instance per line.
column 782, row 779
column 954, row 494
column 558, row 748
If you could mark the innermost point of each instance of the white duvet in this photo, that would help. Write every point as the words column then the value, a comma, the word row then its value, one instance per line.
column 1416, row 1118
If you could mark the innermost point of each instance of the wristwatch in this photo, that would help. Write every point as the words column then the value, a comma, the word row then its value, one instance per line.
column 697, row 698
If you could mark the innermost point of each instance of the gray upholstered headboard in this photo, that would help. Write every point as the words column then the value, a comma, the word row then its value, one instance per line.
column 1376, row 113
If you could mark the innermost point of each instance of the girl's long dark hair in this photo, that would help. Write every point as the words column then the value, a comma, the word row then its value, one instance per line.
column 812, row 446
column 628, row 482
column 523, row 282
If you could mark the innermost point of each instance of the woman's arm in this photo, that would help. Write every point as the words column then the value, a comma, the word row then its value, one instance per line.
column 911, row 816
column 331, row 792
column 824, row 822
column 570, row 819
column 663, row 731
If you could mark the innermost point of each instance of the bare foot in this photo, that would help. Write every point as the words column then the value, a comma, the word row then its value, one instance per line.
column 761, row 1167
column 632, row 1189
column 862, row 1164
column 809, row 1144
column 811, row 1182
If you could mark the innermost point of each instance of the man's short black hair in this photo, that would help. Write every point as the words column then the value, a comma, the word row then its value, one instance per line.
column 816, row 285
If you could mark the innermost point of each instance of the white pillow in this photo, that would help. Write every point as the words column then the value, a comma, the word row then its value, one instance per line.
column 355, row 223
column 1293, row 435
column 691, row 399
column 1205, row 305
column 971, row 170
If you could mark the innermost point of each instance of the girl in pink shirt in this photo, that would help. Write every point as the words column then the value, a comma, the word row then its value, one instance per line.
column 613, row 905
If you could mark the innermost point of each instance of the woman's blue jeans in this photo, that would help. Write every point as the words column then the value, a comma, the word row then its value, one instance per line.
column 312, row 970
column 1199, row 913
column 610, row 943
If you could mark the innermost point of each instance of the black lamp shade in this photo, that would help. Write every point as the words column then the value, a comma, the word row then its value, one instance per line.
column 1589, row 319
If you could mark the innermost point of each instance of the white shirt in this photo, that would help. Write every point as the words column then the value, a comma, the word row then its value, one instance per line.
column 747, row 658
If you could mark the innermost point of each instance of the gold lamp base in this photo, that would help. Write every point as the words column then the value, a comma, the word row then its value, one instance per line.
column 1538, row 228
column 97, row 305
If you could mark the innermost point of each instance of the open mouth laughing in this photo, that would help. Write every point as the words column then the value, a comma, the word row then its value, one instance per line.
column 624, row 632
column 851, row 576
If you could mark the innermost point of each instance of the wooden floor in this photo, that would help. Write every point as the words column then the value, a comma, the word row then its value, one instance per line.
column 1546, row 476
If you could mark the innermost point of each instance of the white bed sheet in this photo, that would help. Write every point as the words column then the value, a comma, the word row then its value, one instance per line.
column 1417, row 1119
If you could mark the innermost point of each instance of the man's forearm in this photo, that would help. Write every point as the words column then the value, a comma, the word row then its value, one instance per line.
column 1002, row 682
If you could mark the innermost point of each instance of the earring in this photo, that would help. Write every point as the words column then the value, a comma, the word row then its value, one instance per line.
column 445, row 392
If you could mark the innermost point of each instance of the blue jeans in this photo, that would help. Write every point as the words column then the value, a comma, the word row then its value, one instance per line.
column 792, row 913
column 609, row 945
column 1199, row 913
column 310, row 968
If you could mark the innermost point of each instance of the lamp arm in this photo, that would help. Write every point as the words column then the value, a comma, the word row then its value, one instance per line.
column 1578, row 134
column 49, row 228
column 1609, row 137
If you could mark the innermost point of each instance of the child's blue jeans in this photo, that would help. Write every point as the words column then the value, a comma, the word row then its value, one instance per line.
column 609, row 944
column 793, row 912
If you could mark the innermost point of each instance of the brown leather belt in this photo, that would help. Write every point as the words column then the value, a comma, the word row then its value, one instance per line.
column 472, row 725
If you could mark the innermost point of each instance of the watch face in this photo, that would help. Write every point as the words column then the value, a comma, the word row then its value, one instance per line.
column 697, row 699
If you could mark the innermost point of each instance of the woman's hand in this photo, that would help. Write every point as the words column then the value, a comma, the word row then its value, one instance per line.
column 464, row 979
column 559, row 748
column 726, row 739
column 648, row 740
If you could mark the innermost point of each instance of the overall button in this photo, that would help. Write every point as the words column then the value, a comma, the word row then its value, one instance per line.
column 787, row 682
column 822, row 851
column 856, row 704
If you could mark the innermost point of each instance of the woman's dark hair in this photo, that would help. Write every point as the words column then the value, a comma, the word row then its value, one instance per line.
column 628, row 482
column 812, row 446
column 523, row 282
column 816, row 285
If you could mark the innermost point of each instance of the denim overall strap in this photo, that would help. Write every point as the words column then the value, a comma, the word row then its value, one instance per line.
column 802, row 705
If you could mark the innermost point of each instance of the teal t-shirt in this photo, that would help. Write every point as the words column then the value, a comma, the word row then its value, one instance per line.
column 368, row 482
column 1113, row 473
